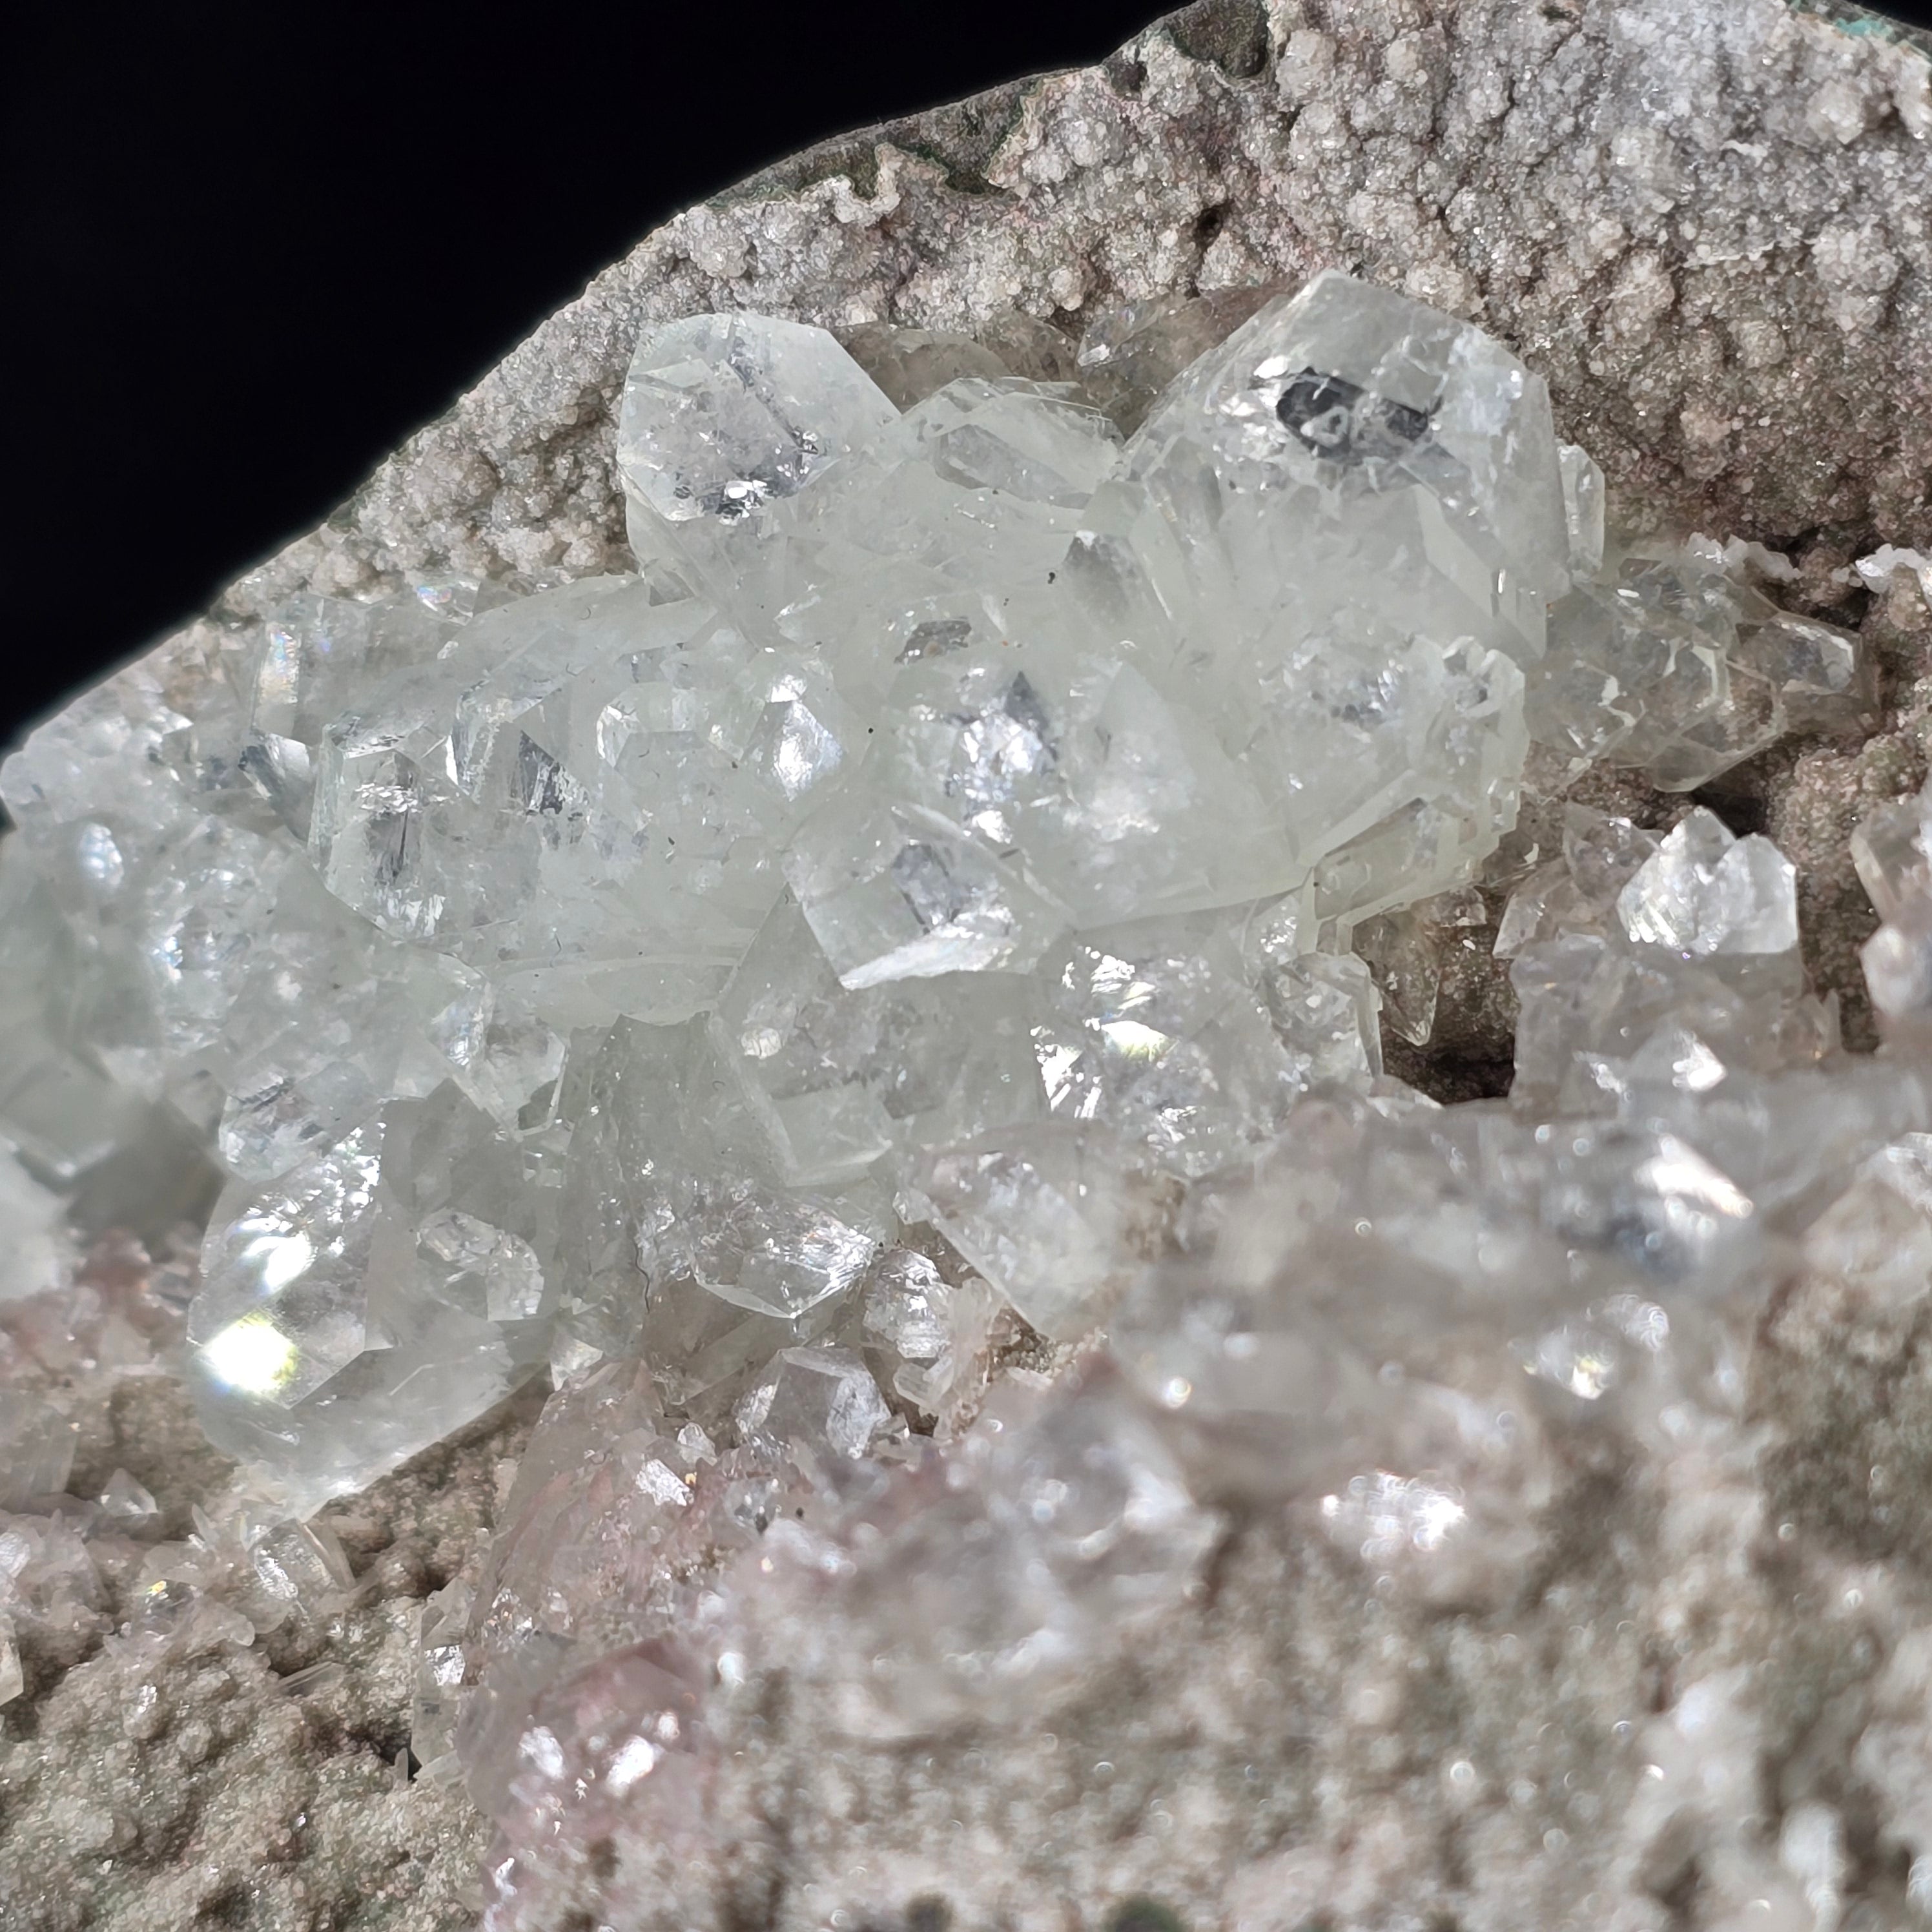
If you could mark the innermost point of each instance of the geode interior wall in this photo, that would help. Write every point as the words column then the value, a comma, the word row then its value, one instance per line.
column 1709, row 231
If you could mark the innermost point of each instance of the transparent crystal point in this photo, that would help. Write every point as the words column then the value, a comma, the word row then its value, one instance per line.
column 823, row 1401
column 1703, row 891
column 841, row 1079
column 1048, row 1213
column 909, row 364
column 1888, row 848
column 382, row 1292
column 1582, row 508
column 1365, row 402
column 676, row 1228
column 894, row 891
column 885, row 1000
column 37, row 1448
column 1151, row 1030
column 724, row 413
column 1132, row 351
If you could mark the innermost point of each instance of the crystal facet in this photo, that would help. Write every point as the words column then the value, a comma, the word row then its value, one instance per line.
column 885, row 1003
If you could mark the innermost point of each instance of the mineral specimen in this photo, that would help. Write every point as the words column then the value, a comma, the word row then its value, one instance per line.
column 568, row 970
column 884, row 1002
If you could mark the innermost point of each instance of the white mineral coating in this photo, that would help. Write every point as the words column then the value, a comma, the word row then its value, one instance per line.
column 576, row 883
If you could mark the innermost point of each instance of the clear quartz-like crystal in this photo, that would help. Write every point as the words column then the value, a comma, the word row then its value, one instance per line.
column 1703, row 892
column 907, row 1306
column 36, row 1446
column 435, row 1697
column 1582, row 508
column 884, row 1001
column 366, row 1302
column 722, row 413
column 1151, row 1030
column 1668, row 659
column 722, row 914
column 1048, row 1213
column 1131, row 352
column 1888, row 850
column 820, row 1401
column 909, row 364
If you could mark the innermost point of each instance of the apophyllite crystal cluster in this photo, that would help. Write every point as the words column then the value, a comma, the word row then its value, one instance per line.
column 883, row 1005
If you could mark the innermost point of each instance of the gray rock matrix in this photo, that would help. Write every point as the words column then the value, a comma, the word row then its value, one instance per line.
column 1709, row 225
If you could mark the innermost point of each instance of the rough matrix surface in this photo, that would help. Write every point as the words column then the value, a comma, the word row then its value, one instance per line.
column 1710, row 225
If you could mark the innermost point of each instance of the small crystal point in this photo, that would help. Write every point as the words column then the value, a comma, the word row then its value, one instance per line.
column 1703, row 891
column 724, row 413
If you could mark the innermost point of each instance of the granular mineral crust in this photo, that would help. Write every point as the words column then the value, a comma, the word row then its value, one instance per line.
column 875, row 863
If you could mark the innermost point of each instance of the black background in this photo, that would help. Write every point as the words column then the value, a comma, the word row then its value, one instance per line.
column 252, row 246
column 256, row 245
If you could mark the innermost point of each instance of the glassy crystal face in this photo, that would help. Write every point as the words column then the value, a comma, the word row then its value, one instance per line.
column 724, row 413
column 1703, row 891
column 913, row 958
column 1371, row 419
column 1667, row 661
column 1154, row 1031
column 885, row 1003
column 1891, row 850
column 372, row 1298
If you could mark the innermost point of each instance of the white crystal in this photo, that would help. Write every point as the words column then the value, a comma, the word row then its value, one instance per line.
column 677, row 1231
column 436, row 1696
column 901, row 910
column 356, row 1309
column 1132, row 351
column 1382, row 412
column 1897, row 962
column 722, row 413
column 128, row 1500
column 1048, row 1214
column 1151, row 1030
column 938, row 1329
column 823, row 1401
column 896, row 892
column 1670, row 660
column 1704, row 891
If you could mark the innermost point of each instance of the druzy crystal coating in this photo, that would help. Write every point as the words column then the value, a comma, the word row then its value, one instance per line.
column 961, row 814
column 884, row 1002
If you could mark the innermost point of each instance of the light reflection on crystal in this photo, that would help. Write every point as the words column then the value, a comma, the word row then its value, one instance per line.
column 886, row 1002
column 251, row 1355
